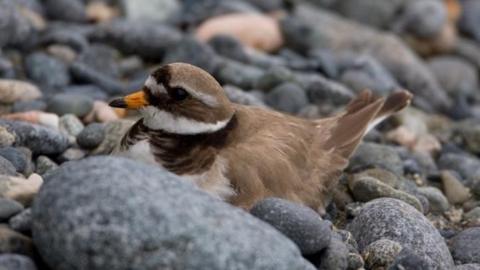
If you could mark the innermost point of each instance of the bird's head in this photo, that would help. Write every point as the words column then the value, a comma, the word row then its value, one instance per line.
column 182, row 99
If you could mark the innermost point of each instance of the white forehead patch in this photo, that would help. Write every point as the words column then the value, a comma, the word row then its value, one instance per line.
column 163, row 120
column 153, row 85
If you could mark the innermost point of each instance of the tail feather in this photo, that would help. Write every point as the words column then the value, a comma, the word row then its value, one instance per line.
column 362, row 115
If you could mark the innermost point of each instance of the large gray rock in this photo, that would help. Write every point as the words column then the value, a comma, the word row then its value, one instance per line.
column 39, row 139
column 397, row 221
column 114, row 213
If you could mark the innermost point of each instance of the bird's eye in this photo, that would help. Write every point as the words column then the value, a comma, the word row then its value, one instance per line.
column 178, row 93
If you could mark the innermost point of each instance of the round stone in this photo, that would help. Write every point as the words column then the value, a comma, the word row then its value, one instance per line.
column 79, row 105
column 299, row 223
column 465, row 247
column 91, row 136
column 287, row 97
column 397, row 221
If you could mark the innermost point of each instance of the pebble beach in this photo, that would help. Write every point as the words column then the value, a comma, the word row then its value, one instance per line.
column 409, row 198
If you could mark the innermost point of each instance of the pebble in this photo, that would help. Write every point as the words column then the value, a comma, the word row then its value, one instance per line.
column 455, row 74
column 192, row 51
column 102, row 113
column 35, row 117
column 473, row 216
column 149, row 40
column 19, row 159
column 85, row 74
column 408, row 259
column 301, row 224
column 93, row 91
column 29, row 105
column 99, row 11
column 66, row 10
column 72, row 154
column 287, row 97
column 381, row 253
column 16, row 262
column 254, row 30
column 91, row 136
column 422, row 19
column 102, row 58
column 9, row 208
column 40, row 140
column 437, row 201
column 238, row 74
column 62, row 52
column 12, row 91
column 468, row 131
column 44, row 164
column 367, row 188
column 377, row 155
column 464, row 246
column 152, row 10
column 46, row 70
column 6, row 138
column 21, row 222
column 320, row 89
column 71, row 125
column 470, row 266
column 454, row 189
column 13, row 242
column 335, row 256
column 467, row 166
column 239, row 96
column 20, row 189
column 6, row 167
column 469, row 19
column 14, row 26
column 273, row 77
column 61, row 104
column 64, row 36
column 397, row 221
column 187, row 229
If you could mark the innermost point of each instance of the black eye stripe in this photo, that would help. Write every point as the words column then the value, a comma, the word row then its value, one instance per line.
column 178, row 93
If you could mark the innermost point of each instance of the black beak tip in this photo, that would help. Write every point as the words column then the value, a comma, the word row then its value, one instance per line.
column 118, row 103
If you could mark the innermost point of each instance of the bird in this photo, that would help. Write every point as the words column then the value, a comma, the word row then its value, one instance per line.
column 242, row 154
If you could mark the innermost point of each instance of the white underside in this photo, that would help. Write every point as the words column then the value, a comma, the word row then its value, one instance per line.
column 161, row 120
column 212, row 181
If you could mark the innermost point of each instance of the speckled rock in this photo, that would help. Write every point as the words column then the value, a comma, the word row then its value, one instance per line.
column 6, row 167
column 45, row 164
column 39, row 139
column 470, row 266
column 299, row 223
column 6, row 138
column 187, row 229
column 464, row 246
column 408, row 259
column 381, row 253
column 20, row 159
column 335, row 256
column 397, row 221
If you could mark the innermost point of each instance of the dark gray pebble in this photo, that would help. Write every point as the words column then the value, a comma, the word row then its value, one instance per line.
column 299, row 223
column 9, row 208
column 146, row 39
column 30, row 105
column 376, row 155
column 61, row 104
column 46, row 70
column 66, row 10
column 91, row 136
column 20, row 159
column 101, row 58
column 95, row 92
column 85, row 74
column 465, row 247
column 22, row 222
column 287, row 97
column 6, row 167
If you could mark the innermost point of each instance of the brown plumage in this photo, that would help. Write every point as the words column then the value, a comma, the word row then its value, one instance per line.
column 243, row 154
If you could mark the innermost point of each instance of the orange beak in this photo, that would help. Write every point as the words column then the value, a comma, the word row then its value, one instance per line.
column 135, row 100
